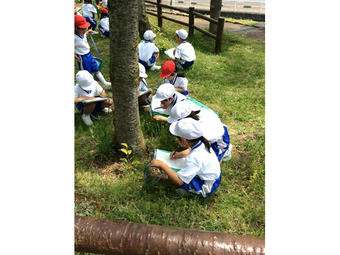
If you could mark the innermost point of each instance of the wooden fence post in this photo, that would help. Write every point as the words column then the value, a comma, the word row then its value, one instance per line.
column 159, row 13
column 191, row 21
column 219, row 35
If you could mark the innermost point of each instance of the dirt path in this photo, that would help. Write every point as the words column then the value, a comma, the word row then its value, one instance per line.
column 247, row 31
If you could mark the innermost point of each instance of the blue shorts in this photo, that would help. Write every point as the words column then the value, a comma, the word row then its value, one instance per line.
column 98, row 108
column 185, row 93
column 106, row 33
column 221, row 149
column 93, row 22
column 88, row 63
column 152, row 60
column 187, row 64
column 195, row 186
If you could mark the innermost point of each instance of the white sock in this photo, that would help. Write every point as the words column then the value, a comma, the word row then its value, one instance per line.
column 102, row 79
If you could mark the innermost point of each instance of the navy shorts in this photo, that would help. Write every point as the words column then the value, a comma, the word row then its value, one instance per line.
column 195, row 186
column 88, row 63
column 106, row 33
column 221, row 149
column 98, row 108
column 93, row 22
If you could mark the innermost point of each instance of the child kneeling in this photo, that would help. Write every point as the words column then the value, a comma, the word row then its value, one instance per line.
column 85, row 89
column 201, row 174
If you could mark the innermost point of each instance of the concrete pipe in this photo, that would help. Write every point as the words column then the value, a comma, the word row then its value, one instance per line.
column 118, row 237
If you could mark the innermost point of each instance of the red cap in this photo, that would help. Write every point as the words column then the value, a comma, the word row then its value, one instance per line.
column 167, row 68
column 103, row 10
column 80, row 21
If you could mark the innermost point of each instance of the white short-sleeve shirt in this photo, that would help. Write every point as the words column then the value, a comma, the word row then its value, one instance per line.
column 145, row 51
column 178, row 82
column 88, row 10
column 90, row 91
column 185, row 52
column 104, row 22
column 143, row 86
column 81, row 46
column 202, row 163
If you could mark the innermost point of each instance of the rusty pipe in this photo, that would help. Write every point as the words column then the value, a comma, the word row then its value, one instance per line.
column 119, row 237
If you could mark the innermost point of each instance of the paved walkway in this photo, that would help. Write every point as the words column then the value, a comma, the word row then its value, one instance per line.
column 256, row 32
column 231, row 5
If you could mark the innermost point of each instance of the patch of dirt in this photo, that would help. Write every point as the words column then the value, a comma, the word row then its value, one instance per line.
column 113, row 171
column 255, row 34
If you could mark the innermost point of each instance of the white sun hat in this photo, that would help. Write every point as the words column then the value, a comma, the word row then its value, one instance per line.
column 181, row 110
column 182, row 34
column 142, row 72
column 84, row 78
column 187, row 128
column 165, row 91
column 149, row 35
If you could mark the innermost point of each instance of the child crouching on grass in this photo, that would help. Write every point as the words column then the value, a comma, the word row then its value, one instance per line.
column 104, row 26
column 201, row 174
column 82, row 50
column 85, row 89
column 142, row 86
column 170, row 75
column 214, row 130
column 184, row 54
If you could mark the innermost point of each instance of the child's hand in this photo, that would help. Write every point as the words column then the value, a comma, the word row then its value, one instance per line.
column 157, row 163
column 158, row 117
column 90, row 31
column 77, row 58
column 175, row 155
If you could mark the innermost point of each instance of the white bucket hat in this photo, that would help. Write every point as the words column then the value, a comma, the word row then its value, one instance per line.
column 181, row 110
column 187, row 128
column 149, row 35
column 84, row 78
column 142, row 72
column 165, row 91
column 182, row 34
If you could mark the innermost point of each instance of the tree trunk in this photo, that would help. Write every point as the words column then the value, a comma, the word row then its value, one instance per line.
column 119, row 237
column 124, row 73
column 215, row 12
column 143, row 21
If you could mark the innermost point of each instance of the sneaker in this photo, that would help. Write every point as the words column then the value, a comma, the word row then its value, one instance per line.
column 87, row 119
column 227, row 154
column 154, row 67
column 107, row 110
column 107, row 85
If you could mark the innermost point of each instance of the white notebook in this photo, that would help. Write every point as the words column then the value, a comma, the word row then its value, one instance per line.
column 175, row 164
column 170, row 53
column 98, row 99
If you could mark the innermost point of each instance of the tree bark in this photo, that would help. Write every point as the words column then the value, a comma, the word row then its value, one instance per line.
column 119, row 237
column 215, row 12
column 124, row 73
column 143, row 21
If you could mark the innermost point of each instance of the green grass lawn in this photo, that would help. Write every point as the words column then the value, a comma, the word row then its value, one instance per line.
column 233, row 84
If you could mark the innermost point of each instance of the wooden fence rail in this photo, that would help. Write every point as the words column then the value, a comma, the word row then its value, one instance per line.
column 192, row 14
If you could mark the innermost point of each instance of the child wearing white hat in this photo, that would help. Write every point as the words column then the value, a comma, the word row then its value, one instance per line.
column 201, row 174
column 142, row 86
column 82, row 51
column 184, row 54
column 213, row 129
column 148, row 52
column 85, row 89
column 166, row 97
